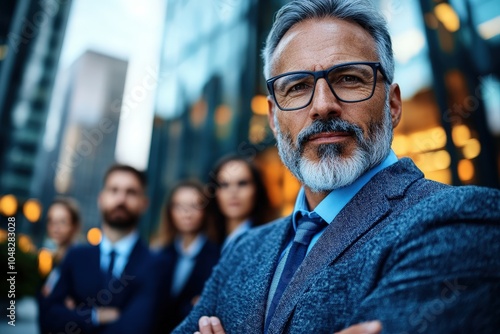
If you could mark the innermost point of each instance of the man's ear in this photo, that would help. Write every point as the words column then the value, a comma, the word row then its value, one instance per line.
column 99, row 199
column 270, row 114
column 395, row 103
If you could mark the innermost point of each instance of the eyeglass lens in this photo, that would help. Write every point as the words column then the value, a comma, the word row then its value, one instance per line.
column 351, row 83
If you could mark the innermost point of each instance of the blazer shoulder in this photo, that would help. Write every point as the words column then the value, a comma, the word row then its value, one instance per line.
column 210, row 248
column 82, row 251
column 451, row 214
column 462, row 203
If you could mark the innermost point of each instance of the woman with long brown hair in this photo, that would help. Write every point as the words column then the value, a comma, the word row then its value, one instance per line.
column 189, row 253
column 63, row 226
column 241, row 200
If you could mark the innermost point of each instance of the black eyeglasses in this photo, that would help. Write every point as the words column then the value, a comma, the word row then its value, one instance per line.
column 349, row 82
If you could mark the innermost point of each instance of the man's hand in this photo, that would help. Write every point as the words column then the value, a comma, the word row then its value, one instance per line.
column 210, row 325
column 69, row 303
column 107, row 314
column 371, row 327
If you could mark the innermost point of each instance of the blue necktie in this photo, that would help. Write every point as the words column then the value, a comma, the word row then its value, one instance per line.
column 306, row 229
column 112, row 256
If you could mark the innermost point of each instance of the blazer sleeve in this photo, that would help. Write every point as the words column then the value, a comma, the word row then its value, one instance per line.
column 445, row 279
column 56, row 316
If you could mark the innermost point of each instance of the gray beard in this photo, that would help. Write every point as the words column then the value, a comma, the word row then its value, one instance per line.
column 335, row 170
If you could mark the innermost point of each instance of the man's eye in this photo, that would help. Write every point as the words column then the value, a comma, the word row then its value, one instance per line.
column 350, row 79
column 299, row 87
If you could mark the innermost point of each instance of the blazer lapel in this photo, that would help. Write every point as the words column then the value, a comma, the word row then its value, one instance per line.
column 357, row 218
column 131, row 270
column 258, row 274
column 135, row 259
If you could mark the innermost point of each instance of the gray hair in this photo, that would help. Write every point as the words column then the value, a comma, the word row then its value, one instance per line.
column 362, row 12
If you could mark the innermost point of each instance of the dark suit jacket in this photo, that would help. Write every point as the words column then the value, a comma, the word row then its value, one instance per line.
column 179, row 306
column 420, row 256
column 83, row 281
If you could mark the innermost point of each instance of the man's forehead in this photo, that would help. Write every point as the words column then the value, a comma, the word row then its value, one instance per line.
column 120, row 177
column 310, row 36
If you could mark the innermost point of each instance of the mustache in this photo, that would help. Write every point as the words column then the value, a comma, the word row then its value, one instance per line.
column 120, row 207
column 331, row 125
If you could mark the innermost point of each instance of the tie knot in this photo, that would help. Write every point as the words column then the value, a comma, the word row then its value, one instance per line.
column 307, row 227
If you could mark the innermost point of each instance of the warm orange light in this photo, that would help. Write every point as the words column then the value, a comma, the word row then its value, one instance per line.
column 94, row 236
column 8, row 205
column 44, row 261
column 448, row 17
column 460, row 135
column 443, row 176
column 32, row 210
column 259, row 105
column 287, row 209
column 428, row 140
column 25, row 244
column 222, row 115
column 471, row 149
column 465, row 170
column 3, row 51
column 198, row 113
column 400, row 145
column 257, row 131
column 441, row 159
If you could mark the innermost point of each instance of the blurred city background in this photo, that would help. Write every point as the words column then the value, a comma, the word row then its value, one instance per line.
column 170, row 86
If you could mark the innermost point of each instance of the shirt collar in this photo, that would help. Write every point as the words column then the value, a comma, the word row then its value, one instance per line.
column 335, row 201
column 193, row 250
column 122, row 247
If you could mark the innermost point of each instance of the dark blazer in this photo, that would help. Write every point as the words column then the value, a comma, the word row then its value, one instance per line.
column 420, row 256
column 179, row 306
column 83, row 281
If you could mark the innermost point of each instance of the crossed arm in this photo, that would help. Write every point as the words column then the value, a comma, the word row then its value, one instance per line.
column 444, row 279
column 212, row 325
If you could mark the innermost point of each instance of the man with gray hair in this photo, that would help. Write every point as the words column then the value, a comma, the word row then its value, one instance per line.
column 369, row 237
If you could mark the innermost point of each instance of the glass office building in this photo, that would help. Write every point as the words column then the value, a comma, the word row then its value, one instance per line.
column 211, row 94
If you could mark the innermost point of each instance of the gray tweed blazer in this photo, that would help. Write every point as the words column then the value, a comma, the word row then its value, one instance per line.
column 420, row 256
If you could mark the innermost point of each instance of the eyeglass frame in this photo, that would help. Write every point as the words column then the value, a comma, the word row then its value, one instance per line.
column 376, row 66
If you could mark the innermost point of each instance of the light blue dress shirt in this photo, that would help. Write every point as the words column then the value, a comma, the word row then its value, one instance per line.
column 336, row 200
column 122, row 247
column 185, row 262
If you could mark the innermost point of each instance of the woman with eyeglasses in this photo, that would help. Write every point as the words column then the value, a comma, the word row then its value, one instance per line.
column 189, row 254
column 241, row 201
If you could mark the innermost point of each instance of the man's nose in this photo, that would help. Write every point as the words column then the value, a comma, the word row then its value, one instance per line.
column 120, row 196
column 324, row 103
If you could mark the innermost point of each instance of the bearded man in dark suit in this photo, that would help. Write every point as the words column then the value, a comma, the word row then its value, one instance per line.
column 109, row 288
